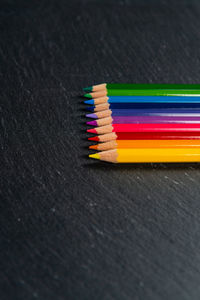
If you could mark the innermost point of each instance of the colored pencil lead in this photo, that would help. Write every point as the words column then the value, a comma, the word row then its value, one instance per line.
column 90, row 108
column 92, row 130
column 93, row 123
column 88, row 95
column 94, row 138
column 92, row 116
column 89, row 101
column 96, row 156
column 93, row 147
column 88, row 89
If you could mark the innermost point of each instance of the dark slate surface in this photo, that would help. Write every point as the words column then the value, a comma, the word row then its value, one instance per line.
column 71, row 228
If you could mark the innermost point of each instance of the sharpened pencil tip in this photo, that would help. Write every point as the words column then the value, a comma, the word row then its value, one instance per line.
column 92, row 130
column 93, row 147
column 94, row 138
column 93, row 123
column 88, row 89
column 92, row 116
column 90, row 108
column 95, row 156
column 89, row 101
column 88, row 95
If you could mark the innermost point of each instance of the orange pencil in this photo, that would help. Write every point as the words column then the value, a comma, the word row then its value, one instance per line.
column 124, row 144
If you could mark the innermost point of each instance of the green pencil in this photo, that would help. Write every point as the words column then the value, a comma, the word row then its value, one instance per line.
column 139, row 86
column 116, row 89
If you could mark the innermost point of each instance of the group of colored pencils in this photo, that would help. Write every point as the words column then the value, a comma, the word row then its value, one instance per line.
column 144, row 122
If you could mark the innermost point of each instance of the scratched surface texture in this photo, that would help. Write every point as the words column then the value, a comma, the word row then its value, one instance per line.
column 71, row 228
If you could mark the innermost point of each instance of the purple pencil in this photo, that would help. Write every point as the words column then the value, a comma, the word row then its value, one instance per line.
column 144, row 119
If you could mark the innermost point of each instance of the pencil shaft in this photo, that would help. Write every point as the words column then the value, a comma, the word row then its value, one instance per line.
column 145, row 92
column 120, row 86
column 152, row 155
column 114, row 106
column 146, row 136
column 158, row 155
column 146, row 127
column 144, row 99
column 119, row 144
column 156, row 92
column 151, row 86
column 154, row 119
column 156, row 111
column 154, row 105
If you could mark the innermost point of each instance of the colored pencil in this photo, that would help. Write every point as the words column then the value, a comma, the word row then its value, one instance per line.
column 185, row 112
column 144, row 92
column 143, row 119
column 129, row 86
column 149, row 155
column 124, row 144
column 114, row 106
column 143, row 99
column 152, row 127
column 145, row 136
column 145, row 122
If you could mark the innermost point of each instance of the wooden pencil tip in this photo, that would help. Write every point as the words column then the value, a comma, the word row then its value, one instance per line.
column 93, row 123
column 88, row 89
column 92, row 130
column 94, row 138
column 90, row 108
column 95, row 156
column 88, row 95
column 92, row 116
column 91, row 101
column 93, row 147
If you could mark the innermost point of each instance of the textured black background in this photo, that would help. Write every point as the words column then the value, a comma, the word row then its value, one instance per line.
column 71, row 228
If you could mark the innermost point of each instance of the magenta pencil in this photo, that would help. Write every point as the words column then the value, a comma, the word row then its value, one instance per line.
column 146, row 127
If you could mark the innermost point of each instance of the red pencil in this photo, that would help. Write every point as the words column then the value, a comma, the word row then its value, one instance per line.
column 170, row 127
column 145, row 136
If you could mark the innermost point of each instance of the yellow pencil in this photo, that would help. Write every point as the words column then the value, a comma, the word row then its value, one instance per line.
column 149, row 155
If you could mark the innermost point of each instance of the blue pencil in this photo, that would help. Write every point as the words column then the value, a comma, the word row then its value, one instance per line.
column 123, row 106
column 143, row 99
column 146, row 112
